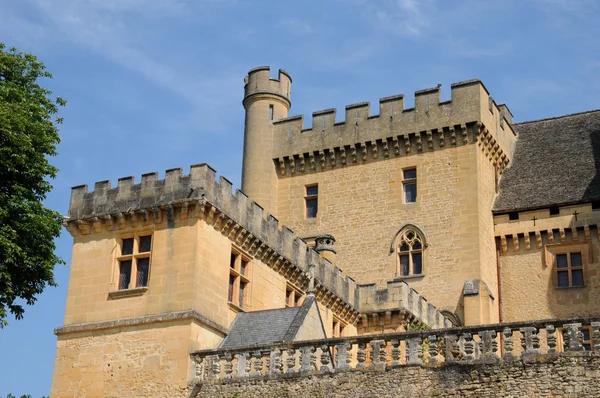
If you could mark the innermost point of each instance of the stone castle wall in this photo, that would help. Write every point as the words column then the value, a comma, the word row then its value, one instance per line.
column 572, row 375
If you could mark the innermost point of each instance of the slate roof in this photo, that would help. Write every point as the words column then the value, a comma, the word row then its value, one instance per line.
column 266, row 327
column 556, row 162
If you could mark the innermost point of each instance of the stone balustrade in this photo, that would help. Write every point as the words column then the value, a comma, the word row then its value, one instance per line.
column 468, row 345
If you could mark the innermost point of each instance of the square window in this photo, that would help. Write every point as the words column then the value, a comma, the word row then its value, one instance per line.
column 410, row 192
column 145, row 243
column 124, row 274
column 561, row 261
column 312, row 190
column 127, row 247
column 576, row 260
column 563, row 279
column 577, row 276
column 410, row 174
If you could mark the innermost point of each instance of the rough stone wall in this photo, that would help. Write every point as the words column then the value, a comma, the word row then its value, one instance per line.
column 143, row 361
column 362, row 206
column 564, row 376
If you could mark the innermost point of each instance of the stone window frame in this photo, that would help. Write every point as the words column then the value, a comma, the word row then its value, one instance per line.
column 550, row 260
column 239, row 276
column 409, row 181
column 293, row 295
column 310, row 197
column 402, row 236
column 132, row 289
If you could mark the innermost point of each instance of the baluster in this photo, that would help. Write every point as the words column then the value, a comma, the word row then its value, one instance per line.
column 469, row 346
column 414, row 351
column 290, row 360
column 489, row 344
column 433, row 349
column 325, row 358
column 228, row 367
column 551, row 338
column 276, row 362
column 530, row 341
column 573, row 337
column 216, row 367
column 596, row 335
column 258, row 364
column 343, row 356
column 395, row 352
column 307, row 359
column 452, row 353
column 198, row 371
column 361, row 355
column 508, row 343
column 376, row 347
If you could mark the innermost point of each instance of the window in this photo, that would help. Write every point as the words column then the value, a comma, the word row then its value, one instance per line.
column 134, row 262
column 554, row 211
column 513, row 215
column 239, row 274
column 271, row 109
column 569, row 269
column 293, row 296
column 312, row 201
column 409, row 253
column 409, row 185
column 337, row 329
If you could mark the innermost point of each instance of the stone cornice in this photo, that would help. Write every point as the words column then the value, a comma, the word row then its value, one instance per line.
column 140, row 320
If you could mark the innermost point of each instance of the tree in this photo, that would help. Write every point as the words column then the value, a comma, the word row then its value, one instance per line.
column 28, row 136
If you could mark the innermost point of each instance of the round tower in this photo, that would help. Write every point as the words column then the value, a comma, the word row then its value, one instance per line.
column 265, row 100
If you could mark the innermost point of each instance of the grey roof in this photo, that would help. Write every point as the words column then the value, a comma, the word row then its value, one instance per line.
column 266, row 327
column 556, row 162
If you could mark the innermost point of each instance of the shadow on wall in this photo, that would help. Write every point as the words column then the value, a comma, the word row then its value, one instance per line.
column 593, row 189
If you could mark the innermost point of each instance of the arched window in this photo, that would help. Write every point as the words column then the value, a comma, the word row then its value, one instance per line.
column 409, row 246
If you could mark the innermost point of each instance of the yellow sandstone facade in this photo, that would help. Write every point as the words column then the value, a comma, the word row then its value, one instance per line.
column 390, row 221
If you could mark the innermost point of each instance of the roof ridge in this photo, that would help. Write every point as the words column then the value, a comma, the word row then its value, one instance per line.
column 558, row 117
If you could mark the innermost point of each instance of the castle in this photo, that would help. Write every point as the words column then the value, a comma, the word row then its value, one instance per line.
column 441, row 216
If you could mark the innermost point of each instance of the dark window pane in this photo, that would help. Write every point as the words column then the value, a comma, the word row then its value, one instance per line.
column 586, row 334
column 289, row 297
column 410, row 235
column 124, row 274
column 127, row 247
column 231, row 283
column 297, row 300
column 563, row 279
column 410, row 193
column 242, row 288
column 145, row 243
column 143, row 266
column 587, row 347
column 561, row 261
column 409, row 174
column 404, row 265
column 417, row 245
column 417, row 263
column 404, row 247
column 232, row 260
column 576, row 260
column 577, row 276
column 244, row 266
column 312, row 206
column 311, row 191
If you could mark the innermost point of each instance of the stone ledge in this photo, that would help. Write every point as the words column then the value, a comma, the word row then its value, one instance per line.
column 117, row 294
column 140, row 320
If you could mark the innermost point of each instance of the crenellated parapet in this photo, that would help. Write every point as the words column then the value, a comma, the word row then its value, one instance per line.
column 470, row 116
column 377, row 306
column 200, row 195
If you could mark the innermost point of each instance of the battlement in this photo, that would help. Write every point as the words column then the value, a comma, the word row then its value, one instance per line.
column 200, row 195
column 431, row 120
column 398, row 297
column 259, row 83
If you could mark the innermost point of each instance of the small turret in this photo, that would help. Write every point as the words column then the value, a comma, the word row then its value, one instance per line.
column 265, row 100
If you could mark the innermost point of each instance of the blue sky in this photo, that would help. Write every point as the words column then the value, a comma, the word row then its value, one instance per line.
column 157, row 84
